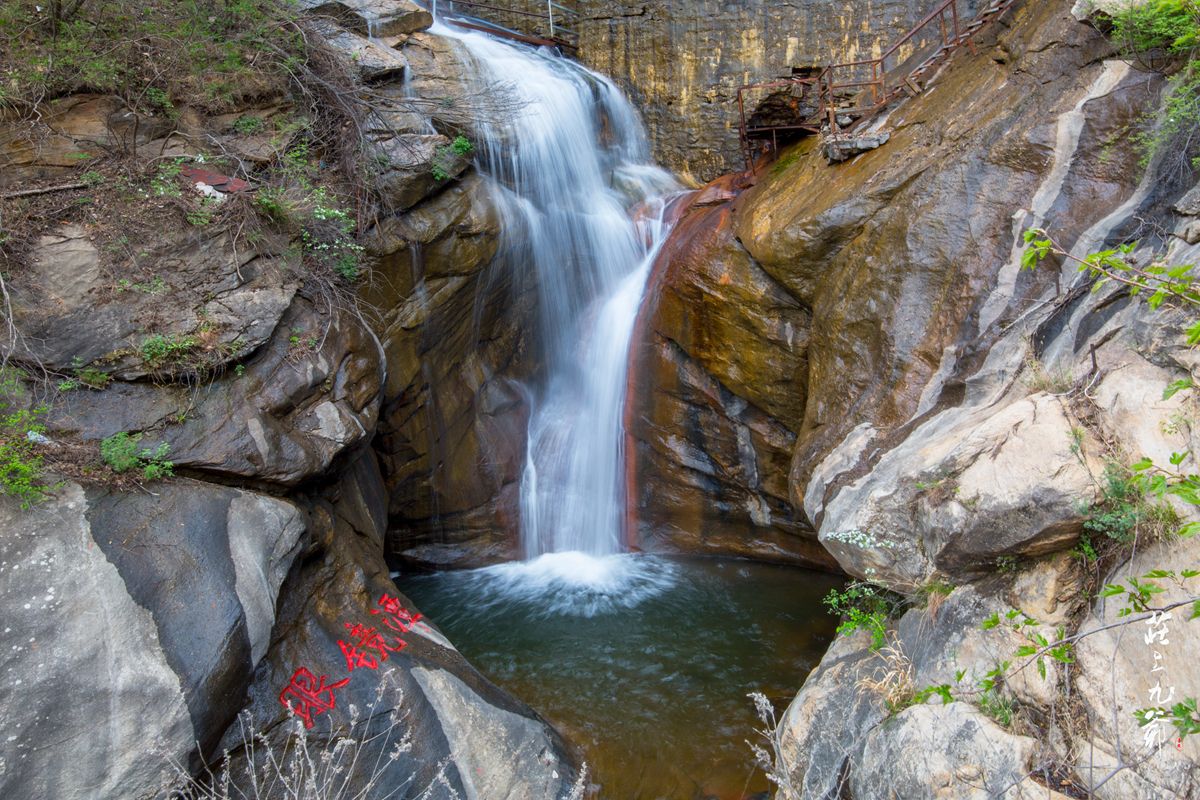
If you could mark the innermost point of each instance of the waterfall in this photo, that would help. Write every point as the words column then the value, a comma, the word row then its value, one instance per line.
column 573, row 159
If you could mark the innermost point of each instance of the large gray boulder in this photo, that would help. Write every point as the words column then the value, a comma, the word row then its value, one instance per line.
column 132, row 626
column 945, row 751
column 974, row 485
column 825, row 724
column 1116, row 676
column 375, row 18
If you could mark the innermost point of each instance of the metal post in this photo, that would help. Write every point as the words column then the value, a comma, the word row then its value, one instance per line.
column 550, row 12
column 954, row 7
column 942, row 19
column 833, row 127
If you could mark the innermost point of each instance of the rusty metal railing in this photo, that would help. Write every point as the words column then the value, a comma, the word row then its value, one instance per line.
column 859, row 89
column 552, row 32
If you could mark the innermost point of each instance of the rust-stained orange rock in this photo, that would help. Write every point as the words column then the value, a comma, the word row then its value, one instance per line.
column 828, row 297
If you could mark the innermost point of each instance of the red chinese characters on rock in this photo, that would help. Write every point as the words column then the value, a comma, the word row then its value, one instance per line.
column 360, row 654
column 311, row 694
column 398, row 618
column 307, row 695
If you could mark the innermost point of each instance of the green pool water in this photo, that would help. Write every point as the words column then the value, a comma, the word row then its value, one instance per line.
column 644, row 661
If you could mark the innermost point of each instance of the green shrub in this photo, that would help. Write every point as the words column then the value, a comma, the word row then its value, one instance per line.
column 92, row 378
column 1160, row 34
column 864, row 606
column 1000, row 707
column 1168, row 26
column 445, row 158
column 21, row 466
column 1118, row 513
column 248, row 125
column 120, row 451
column 320, row 219
column 161, row 349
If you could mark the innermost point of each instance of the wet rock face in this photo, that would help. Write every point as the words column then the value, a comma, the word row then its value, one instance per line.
column 397, row 687
column 725, row 348
column 137, row 620
column 681, row 62
column 455, row 327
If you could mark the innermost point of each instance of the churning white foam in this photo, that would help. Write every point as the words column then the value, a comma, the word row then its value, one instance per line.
column 573, row 583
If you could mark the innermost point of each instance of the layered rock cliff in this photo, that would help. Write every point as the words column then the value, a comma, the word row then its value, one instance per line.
column 147, row 616
column 682, row 62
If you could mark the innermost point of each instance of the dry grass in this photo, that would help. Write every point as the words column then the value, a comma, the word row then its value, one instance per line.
column 1037, row 377
column 933, row 602
column 892, row 681
column 772, row 762
column 339, row 764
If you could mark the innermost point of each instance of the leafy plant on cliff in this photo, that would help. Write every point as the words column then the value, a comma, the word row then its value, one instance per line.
column 22, row 465
column 445, row 157
column 120, row 451
column 1156, row 282
column 1164, row 36
column 314, row 214
column 865, row 606
column 162, row 349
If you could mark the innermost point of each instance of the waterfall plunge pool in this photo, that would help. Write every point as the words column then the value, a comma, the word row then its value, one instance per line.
column 644, row 661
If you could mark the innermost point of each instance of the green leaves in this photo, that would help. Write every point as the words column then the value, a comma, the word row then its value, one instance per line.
column 864, row 606
column 1141, row 589
column 1038, row 248
column 943, row 691
column 120, row 451
column 1159, row 281
column 1183, row 715
column 21, row 464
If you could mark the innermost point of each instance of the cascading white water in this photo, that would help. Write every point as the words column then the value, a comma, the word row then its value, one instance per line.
column 571, row 141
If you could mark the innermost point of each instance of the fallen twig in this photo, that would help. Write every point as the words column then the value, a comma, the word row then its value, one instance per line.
column 47, row 190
